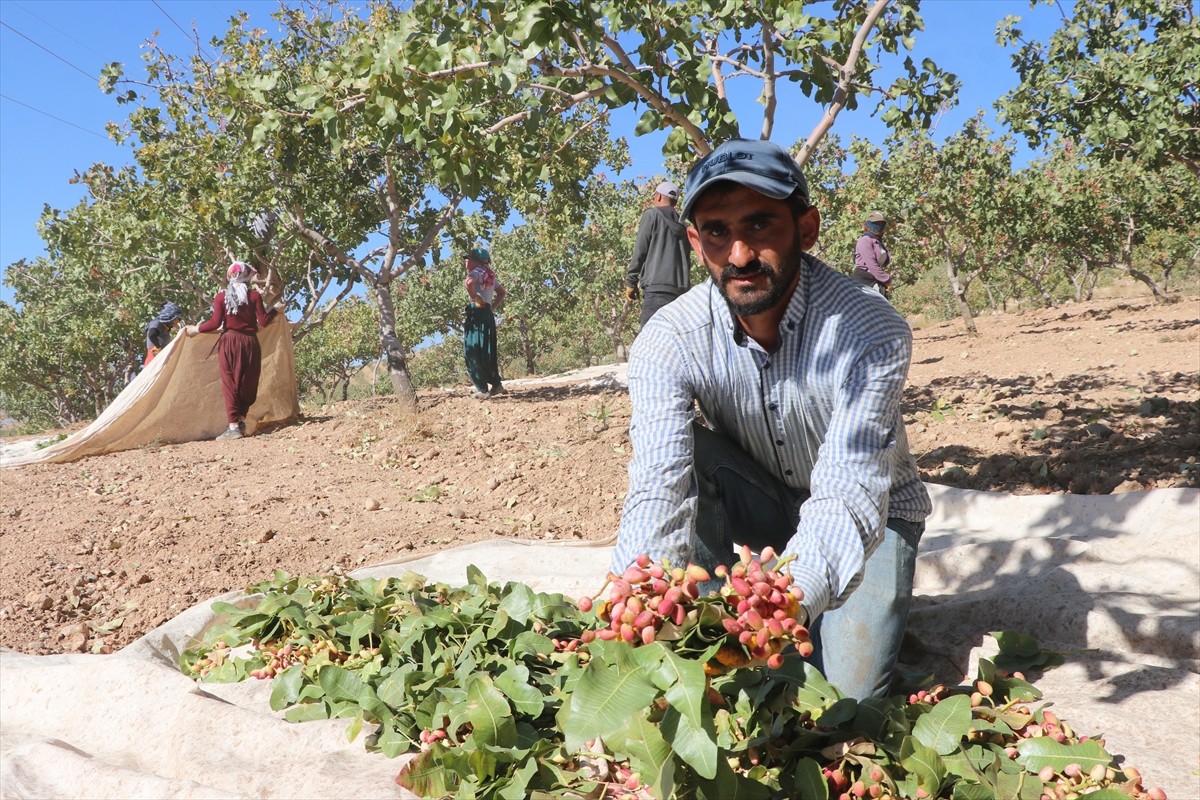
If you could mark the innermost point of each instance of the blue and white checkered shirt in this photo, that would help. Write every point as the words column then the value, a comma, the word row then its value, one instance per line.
column 822, row 412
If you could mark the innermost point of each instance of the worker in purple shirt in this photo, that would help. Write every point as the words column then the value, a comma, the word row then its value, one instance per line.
column 871, row 258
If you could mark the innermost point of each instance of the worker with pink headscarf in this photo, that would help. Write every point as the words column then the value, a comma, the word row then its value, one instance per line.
column 238, row 312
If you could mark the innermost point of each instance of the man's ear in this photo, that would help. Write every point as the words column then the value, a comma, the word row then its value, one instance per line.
column 694, row 239
column 809, row 224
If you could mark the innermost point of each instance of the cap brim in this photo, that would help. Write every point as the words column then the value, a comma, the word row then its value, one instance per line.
column 771, row 187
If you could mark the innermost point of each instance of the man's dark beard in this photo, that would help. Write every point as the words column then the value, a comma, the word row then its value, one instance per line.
column 779, row 281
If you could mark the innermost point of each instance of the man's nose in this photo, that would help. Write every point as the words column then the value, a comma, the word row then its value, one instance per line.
column 740, row 253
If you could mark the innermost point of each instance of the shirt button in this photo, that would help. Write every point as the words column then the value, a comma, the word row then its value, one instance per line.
column 779, row 442
column 773, row 407
column 787, row 472
column 791, row 326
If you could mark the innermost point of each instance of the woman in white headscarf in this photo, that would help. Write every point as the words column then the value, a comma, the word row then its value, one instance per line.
column 238, row 310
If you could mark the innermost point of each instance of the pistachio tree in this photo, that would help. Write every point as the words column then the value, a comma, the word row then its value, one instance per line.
column 74, row 336
column 566, row 300
column 562, row 267
column 951, row 202
column 332, row 354
column 1117, row 78
column 65, row 350
column 1119, row 215
column 366, row 130
column 406, row 158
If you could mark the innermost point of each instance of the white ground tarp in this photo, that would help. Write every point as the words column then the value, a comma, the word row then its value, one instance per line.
column 1111, row 581
column 177, row 398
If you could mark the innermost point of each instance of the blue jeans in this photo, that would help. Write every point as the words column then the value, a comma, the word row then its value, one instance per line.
column 856, row 644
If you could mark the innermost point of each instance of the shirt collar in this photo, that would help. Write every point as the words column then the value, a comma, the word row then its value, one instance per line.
column 797, row 306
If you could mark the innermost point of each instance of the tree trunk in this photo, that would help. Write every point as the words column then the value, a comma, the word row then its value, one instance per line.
column 991, row 297
column 1159, row 295
column 960, row 296
column 1091, row 278
column 393, row 350
column 528, row 347
column 1126, row 264
column 1036, row 276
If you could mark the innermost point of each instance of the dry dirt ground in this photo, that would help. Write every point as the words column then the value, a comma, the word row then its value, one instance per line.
column 1089, row 398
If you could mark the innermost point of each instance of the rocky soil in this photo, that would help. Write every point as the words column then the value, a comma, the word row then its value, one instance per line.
column 1087, row 398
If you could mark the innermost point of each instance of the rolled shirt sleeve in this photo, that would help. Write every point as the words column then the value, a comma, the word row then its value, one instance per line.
column 661, row 504
column 842, row 522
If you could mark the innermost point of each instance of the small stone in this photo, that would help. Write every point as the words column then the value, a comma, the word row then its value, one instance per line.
column 1099, row 429
column 372, row 504
column 266, row 536
column 139, row 578
column 1127, row 486
column 493, row 483
column 457, row 513
column 74, row 637
column 38, row 600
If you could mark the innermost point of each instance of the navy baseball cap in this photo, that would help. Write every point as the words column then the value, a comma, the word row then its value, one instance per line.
column 760, row 165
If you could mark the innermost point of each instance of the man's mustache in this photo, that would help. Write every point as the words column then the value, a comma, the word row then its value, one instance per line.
column 754, row 267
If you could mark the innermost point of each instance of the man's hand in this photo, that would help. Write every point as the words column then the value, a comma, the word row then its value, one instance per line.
column 631, row 294
column 192, row 330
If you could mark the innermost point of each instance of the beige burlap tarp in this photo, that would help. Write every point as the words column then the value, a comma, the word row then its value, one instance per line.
column 177, row 398
column 1112, row 582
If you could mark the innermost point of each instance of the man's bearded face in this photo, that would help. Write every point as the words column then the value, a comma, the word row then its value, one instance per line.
column 759, row 284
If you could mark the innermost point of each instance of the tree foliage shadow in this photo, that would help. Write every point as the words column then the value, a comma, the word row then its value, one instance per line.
column 1047, row 575
column 1057, row 445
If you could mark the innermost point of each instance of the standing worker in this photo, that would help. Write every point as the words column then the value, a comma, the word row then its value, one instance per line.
column 871, row 258
column 486, row 294
column 660, row 265
column 799, row 375
column 160, row 329
column 238, row 309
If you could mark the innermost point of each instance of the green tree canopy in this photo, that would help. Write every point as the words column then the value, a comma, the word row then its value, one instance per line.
column 1120, row 78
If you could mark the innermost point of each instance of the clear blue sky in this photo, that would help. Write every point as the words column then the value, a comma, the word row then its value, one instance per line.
column 52, row 114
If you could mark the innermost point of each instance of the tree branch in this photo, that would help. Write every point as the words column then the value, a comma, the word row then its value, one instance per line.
column 846, row 75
